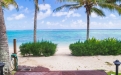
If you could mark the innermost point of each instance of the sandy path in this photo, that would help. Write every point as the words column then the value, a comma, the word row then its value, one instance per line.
column 63, row 60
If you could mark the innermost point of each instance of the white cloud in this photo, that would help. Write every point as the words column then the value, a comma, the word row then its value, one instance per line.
column 76, row 15
column 16, row 17
column 70, row 13
column 105, row 25
column 20, row 16
column 94, row 15
column 67, row 14
column 104, row 18
column 26, row 10
column 48, row 23
column 110, row 23
column 58, row 14
column 52, row 23
column 45, row 11
column 64, row 20
column 21, row 7
column 11, row 7
column 112, row 15
column 9, row 18
column 73, row 14
column 16, row 25
column 42, row 22
column 44, row 6
column 78, row 24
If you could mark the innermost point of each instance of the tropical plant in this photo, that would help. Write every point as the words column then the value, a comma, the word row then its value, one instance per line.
column 6, row 3
column 43, row 48
column 110, row 5
column 90, row 6
column 4, row 51
column 35, row 19
column 91, row 47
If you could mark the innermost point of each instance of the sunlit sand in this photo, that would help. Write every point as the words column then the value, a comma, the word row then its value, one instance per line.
column 63, row 60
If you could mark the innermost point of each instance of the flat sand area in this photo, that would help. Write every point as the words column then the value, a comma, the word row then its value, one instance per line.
column 63, row 60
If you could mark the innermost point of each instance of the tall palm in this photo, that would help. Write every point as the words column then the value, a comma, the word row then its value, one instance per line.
column 4, row 51
column 35, row 19
column 90, row 6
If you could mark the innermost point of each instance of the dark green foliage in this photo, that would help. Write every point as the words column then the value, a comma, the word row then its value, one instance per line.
column 35, row 49
column 109, row 46
column 25, row 48
column 44, row 48
column 48, row 48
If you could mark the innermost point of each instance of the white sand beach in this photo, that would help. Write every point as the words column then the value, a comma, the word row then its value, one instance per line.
column 63, row 60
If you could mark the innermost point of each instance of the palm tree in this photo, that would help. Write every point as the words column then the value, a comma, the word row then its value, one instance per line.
column 90, row 6
column 4, row 51
column 35, row 18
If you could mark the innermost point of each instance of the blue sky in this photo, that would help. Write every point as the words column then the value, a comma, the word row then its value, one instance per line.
column 64, row 19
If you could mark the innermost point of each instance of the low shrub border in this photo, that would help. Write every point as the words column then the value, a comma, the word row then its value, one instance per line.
column 91, row 47
column 43, row 48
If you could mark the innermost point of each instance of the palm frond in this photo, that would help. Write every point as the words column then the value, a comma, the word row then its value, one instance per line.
column 69, row 0
column 109, row 6
column 112, row 1
column 15, row 4
column 97, row 11
column 118, row 9
column 4, row 6
column 108, row 1
column 6, row 3
column 64, row 6
column 106, row 4
column 75, row 7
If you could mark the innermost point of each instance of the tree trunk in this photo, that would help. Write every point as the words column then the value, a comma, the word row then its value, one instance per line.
column 88, row 21
column 4, row 51
column 35, row 21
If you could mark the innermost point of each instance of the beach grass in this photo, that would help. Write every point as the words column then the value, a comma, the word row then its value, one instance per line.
column 112, row 73
column 13, row 72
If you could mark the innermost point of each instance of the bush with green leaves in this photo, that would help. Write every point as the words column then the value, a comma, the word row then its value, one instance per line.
column 109, row 46
column 48, row 48
column 25, row 48
column 43, row 48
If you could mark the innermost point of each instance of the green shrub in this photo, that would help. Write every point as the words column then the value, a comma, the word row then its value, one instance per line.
column 36, row 49
column 44, row 48
column 25, row 49
column 109, row 46
column 48, row 48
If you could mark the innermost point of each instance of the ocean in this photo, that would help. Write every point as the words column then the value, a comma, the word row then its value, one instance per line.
column 60, row 36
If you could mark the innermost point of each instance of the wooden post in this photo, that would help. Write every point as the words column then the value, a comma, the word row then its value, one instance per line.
column 15, row 52
column 14, row 42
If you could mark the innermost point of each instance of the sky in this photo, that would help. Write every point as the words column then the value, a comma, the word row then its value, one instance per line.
column 64, row 19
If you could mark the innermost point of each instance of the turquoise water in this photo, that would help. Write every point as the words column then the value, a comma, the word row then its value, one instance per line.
column 61, row 36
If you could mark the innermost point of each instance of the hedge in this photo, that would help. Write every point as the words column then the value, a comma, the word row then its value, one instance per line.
column 43, row 48
column 91, row 47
